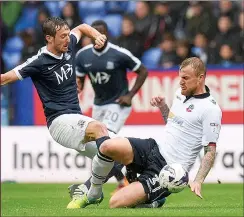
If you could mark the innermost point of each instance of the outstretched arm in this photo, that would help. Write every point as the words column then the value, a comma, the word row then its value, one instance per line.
column 91, row 33
column 8, row 77
column 206, row 165
column 211, row 129
column 161, row 104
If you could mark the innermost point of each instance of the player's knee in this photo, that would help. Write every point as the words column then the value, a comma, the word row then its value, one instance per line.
column 106, row 148
column 97, row 128
column 100, row 127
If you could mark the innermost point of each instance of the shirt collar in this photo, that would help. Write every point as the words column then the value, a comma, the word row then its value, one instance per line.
column 46, row 51
column 103, row 52
column 200, row 96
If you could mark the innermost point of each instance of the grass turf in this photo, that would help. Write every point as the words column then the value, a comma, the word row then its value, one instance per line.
column 52, row 199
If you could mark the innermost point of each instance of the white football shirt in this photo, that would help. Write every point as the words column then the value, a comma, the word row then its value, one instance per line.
column 192, row 123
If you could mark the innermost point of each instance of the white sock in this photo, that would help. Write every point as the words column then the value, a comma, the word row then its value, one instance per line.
column 101, row 166
column 90, row 150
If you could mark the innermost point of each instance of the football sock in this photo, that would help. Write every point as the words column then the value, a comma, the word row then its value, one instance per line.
column 101, row 166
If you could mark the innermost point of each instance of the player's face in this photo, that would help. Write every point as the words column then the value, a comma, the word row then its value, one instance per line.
column 189, row 81
column 62, row 39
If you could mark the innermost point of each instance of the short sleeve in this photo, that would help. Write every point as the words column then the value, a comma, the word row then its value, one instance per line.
column 131, row 62
column 29, row 68
column 73, row 41
column 79, row 68
column 211, row 124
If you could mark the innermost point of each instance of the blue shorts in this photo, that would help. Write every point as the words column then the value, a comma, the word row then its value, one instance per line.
column 148, row 162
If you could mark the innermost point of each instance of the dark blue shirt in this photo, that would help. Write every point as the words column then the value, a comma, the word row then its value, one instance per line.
column 55, row 80
column 106, row 70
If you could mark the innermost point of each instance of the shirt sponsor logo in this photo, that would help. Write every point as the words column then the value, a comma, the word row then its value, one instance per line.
column 66, row 72
column 99, row 77
column 175, row 119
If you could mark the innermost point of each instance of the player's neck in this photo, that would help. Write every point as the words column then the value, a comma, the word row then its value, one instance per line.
column 53, row 51
column 200, row 90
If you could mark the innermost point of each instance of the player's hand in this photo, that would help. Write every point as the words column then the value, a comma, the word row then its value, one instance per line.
column 196, row 188
column 158, row 101
column 124, row 100
column 100, row 41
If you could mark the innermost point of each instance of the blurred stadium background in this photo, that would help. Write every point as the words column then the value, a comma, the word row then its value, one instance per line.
column 161, row 34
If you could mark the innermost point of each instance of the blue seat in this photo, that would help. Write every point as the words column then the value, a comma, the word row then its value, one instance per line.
column 90, row 19
column 11, row 59
column 87, row 8
column 53, row 7
column 131, row 6
column 114, row 22
column 151, row 57
column 27, row 20
column 116, row 6
column 13, row 44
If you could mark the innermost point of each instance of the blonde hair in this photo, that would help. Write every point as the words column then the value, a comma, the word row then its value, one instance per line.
column 196, row 63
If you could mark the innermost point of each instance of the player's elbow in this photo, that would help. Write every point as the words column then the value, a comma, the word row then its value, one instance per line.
column 143, row 71
column 4, row 79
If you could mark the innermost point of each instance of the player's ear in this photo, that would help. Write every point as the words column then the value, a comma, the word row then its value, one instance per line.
column 200, row 77
column 49, row 38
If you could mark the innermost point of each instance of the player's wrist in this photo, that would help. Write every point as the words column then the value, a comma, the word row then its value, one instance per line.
column 199, row 180
column 131, row 94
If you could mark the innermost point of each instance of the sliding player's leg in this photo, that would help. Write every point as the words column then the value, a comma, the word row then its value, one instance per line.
column 147, row 192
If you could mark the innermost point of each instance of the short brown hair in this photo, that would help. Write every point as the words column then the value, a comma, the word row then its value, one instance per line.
column 196, row 63
column 52, row 24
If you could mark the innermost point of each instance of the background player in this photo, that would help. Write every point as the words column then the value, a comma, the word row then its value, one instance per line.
column 193, row 122
column 107, row 69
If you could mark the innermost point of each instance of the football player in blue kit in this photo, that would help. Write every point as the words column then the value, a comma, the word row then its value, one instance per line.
column 107, row 68
column 52, row 72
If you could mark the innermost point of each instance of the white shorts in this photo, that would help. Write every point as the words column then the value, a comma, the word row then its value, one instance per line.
column 112, row 115
column 69, row 130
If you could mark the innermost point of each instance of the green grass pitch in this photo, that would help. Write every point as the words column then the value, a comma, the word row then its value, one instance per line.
column 52, row 199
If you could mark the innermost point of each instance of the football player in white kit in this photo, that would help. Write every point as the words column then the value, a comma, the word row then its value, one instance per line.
column 193, row 123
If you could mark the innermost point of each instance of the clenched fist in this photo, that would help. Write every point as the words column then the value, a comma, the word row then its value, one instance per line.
column 100, row 41
column 158, row 101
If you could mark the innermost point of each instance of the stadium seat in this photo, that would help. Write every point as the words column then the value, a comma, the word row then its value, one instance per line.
column 11, row 59
column 87, row 8
column 151, row 57
column 27, row 20
column 14, row 44
column 90, row 19
column 53, row 7
column 114, row 22
column 131, row 6
column 116, row 6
